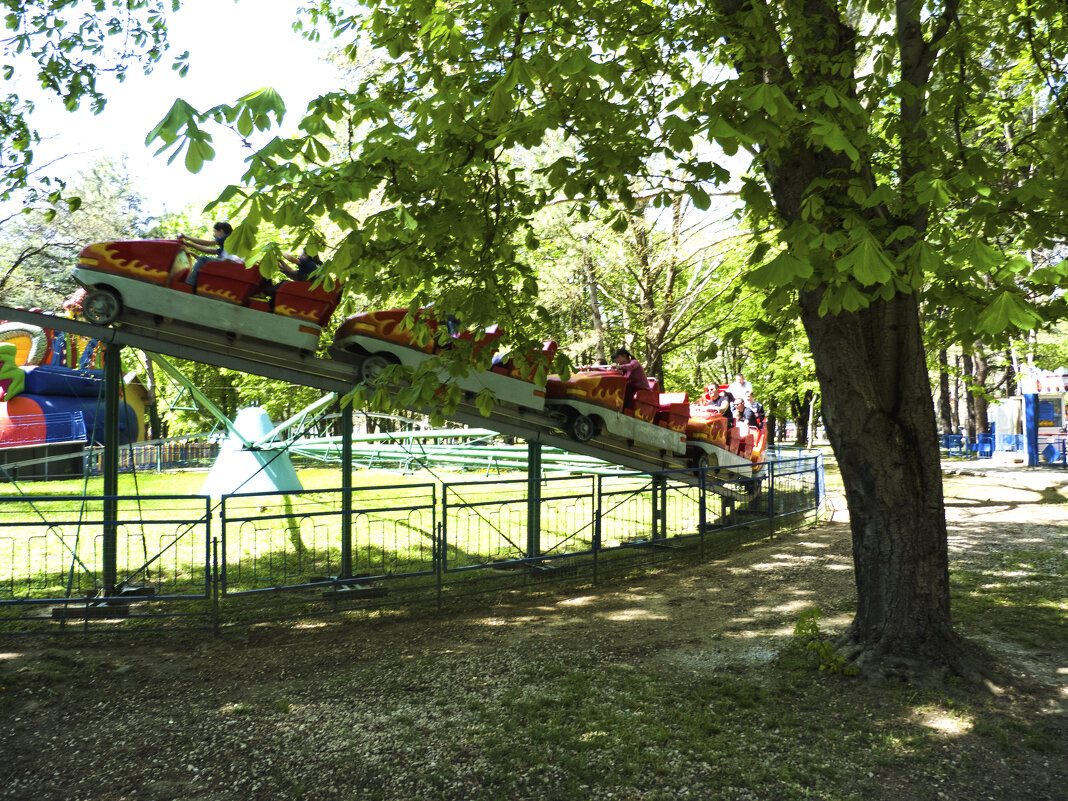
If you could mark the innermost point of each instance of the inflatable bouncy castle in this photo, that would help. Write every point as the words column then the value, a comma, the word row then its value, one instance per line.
column 52, row 394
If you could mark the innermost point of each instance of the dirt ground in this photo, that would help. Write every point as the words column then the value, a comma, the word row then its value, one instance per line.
column 234, row 717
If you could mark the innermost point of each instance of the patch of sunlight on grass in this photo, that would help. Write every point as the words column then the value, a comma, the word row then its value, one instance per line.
column 9, row 655
column 580, row 601
column 796, row 560
column 838, row 621
column 624, row 615
column 949, row 722
column 793, row 606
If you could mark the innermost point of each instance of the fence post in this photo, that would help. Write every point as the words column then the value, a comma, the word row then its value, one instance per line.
column 817, row 466
column 533, row 499
column 346, row 493
column 659, row 508
column 214, row 567
column 438, row 557
column 702, row 509
column 771, row 498
column 443, row 545
column 597, row 504
column 112, row 378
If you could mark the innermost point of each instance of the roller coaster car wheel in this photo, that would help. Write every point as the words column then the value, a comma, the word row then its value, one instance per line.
column 101, row 306
column 374, row 364
column 705, row 460
column 581, row 428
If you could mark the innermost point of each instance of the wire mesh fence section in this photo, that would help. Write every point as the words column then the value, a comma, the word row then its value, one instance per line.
column 278, row 539
column 567, row 515
column 286, row 539
column 53, row 546
column 626, row 512
column 486, row 523
column 796, row 487
column 393, row 530
column 679, row 506
column 483, row 523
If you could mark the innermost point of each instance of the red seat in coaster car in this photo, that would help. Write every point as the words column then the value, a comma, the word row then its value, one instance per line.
column 673, row 411
column 598, row 387
column 385, row 324
column 741, row 439
column 643, row 405
column 178, row 283
column 304, row 301
column 484, row 338
column 230, row 281
column 150, row 260
column 712, row 429
column 524, row 367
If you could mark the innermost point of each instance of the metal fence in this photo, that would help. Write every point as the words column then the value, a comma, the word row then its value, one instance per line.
column 114, row 563
column 1052, row 450
column 158, row 455
column 978, row 447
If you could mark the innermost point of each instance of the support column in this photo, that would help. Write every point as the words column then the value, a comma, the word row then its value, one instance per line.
column 346, row 492
column 1030, row 410
column 112, row 386
column 659, row 508
column 533, row 499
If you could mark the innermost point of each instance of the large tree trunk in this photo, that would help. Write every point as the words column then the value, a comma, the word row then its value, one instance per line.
column 875, row 389
column 944, row 417
column 981, row 369
column 969, row 398
column 801, row 408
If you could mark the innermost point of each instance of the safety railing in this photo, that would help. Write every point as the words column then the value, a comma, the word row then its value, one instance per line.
column 113, row 561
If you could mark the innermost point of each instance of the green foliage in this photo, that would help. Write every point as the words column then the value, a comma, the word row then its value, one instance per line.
column 820, row 650
column 67, row 46
column 916, row 185
column 38, row 249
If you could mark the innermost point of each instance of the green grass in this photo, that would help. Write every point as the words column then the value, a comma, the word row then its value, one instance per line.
column 1020, row 594
column 779, row 733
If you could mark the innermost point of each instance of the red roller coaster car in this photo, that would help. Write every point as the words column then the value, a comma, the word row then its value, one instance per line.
column 589, row 404
column 149, row 276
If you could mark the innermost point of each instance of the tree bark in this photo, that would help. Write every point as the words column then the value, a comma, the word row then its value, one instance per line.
column 1010, row 374
column 980, row 370
column 944, row 417
column 969, row 398
column 954, row 410
column 595, row 306
column 872, row 371
column 801, row 408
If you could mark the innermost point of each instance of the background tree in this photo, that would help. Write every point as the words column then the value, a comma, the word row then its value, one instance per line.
column 664, row 288
column 39, row 248
column 64, row 47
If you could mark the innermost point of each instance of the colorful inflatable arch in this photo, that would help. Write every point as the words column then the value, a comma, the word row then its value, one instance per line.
column 45, row 400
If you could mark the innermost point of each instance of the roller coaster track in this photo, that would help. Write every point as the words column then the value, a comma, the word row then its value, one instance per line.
column 209, row 346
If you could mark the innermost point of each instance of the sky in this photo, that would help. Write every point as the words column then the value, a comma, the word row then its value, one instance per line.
column 235, row 48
